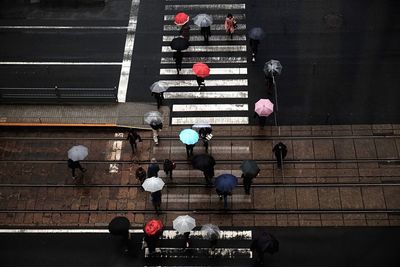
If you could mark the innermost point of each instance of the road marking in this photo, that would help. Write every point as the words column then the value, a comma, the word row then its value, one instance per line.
column 214, row 16
column 223, row 235
column 60, row 63
column 62, row 231
column 209, row 48
column 218, row 150
column 214, row 27
column 211, row 120
column 205, row 7
column 128, row 51
column 115, row 155
column 196, row 198
column 234, row 60
column 10, row 27
column 209, row 107
column 187, row 83
column 213, row 71
column 225, row 37
column 232, row 253
column 201, row 95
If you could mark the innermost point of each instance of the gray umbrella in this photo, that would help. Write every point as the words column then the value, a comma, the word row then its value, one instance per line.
column 256, row 33
column 210, row 231
column 272, row 67
column 153, row 117
column 203, row 20
column 158, row 87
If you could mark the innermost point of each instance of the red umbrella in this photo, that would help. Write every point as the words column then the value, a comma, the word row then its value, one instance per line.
column 181, row 18
column 201, row 69
column 153, row 226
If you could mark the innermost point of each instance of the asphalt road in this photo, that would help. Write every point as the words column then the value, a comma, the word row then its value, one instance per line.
column 361, row 246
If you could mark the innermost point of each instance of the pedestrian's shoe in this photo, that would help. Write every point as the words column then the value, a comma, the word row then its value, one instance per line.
column 253, row 59
column 199, row 88
column 220, row 197
column 74, row 177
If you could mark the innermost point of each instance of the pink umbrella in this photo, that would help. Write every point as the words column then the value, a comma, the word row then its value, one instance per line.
column 264, row 107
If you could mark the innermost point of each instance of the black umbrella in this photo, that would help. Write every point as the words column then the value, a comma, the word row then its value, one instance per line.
column 119, row 226
column 179, row 43
column 250, row 167
column 265, row 243
column 203, row 162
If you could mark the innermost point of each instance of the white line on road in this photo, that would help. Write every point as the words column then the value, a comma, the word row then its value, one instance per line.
column 212, row 38
column 61, row 63
column 214, row 16
column 217, row 252
column 209, row 48
column 187, row 83
column 213, row 71
column 10, row 27
column 214, row 27
column 209, row 107
column 205, row 7
column 128, row 51
column 234, row 60
column 211, row 120
column 196, row 198
column 201, row 95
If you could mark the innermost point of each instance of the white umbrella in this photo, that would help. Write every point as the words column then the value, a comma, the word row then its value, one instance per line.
column 153, row 184
column 208, row 230
column 158, row 87
column 153, row 116
column 184, row 223
column 77, row 153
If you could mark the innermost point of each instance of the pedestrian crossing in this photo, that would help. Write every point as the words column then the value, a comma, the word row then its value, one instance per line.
column 224, row 100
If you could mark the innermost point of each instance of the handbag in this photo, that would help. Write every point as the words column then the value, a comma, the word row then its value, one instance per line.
column 209, row 136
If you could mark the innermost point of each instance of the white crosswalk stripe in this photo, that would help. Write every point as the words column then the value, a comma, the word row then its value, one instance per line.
column 216, row 53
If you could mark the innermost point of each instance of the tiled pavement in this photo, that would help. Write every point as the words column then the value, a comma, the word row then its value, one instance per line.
column 103, row 203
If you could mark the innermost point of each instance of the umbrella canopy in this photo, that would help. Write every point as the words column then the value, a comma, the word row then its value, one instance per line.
column 77, row 153
column 153, row 117
column 203, row 20
column 201, row 125
column 210, row 231
column 225, row 182
column 184, row 223
column 256, row 33
column 153, row 184
column 158, row 87
column 152, row 227
column 250, row 167
column 203, row 162
column 267, row 243
column 119, row 226
column 272, row 67
column 181, row 18
column 179, row 43
column 189, row 136
column 264, row 107
column 201, row 69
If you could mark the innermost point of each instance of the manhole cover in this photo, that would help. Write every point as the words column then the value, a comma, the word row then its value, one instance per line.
column 333, row 20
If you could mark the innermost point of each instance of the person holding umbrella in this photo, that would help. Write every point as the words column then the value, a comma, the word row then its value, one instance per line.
column 262, row 109
column 155, row 120
column 224, row 185
column 156, row 200
column 205, row 163
column 264, row 243
column 153, row 230
column 133, row 138
column 212, row 233
column 204, row 21
column 255, row 35
column 189, row 137
column 201, row 70
column 182, row 19
column 230, row 24
column 157, row 90
column 154, row 185
column 119, row 226
column 75, row 154
column 179, row 44
column 280, row 151
column 250, row 170
column 184, row 224
column 178, row 56
column 205, row 135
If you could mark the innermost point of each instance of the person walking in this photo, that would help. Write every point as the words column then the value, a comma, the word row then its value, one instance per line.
column 75, row 165
column 153, row 168
column 178, row 56
column 159, row 98
column 254, row 48
column 185, row 31
column 205, row 135
column 186, row 240
column 156, row 127
column 156, row 200
column 280, row 151
column 247, row 181
column 224, row 195
column 141, row 175
column 230, row 24
column 189, row 150
column 262, row 120
column 206, row 32
column 208, row 175
column 200, row 82
column 133, row 138
column 265, row 242
column 152, row 240
column 169, row 166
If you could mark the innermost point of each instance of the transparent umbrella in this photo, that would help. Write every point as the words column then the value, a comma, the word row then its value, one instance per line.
column 203, row 20
column 77, row 153
column 158, row 87
column 210, row 230
column 184, row 223
column 272, row 67
column 153, row 116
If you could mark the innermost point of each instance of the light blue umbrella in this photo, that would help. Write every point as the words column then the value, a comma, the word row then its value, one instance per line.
column 189, row 136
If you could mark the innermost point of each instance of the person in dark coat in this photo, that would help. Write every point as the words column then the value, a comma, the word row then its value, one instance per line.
column 261, row 119
column 141, row 175
column 119, row 226
column 75, row 165
column 254, row 48
column 133, row 138
column 204, row 134
column 168, row 167
column 213, row 241
column 206, row 32
column 247, row 181
column 280, row 151
column 265, row 242
column 224, row 195
column 153, row 168
column 151, row 241
column 156, row 127
column 200, row 82
column 156, row 200
column 178, row 56
column 189, row 150
column 159, row 97
column 208, row 175
column 186, row 240
column 185, row 31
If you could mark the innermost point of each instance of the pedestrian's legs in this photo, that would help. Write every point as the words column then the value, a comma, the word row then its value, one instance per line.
column 73, row 172
column 187, row 152
column 186, row 239
column 155, row 136
column 191, row 151
column 80, row 167
column 247, row 185
column 205, row 143
column 225, row 201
